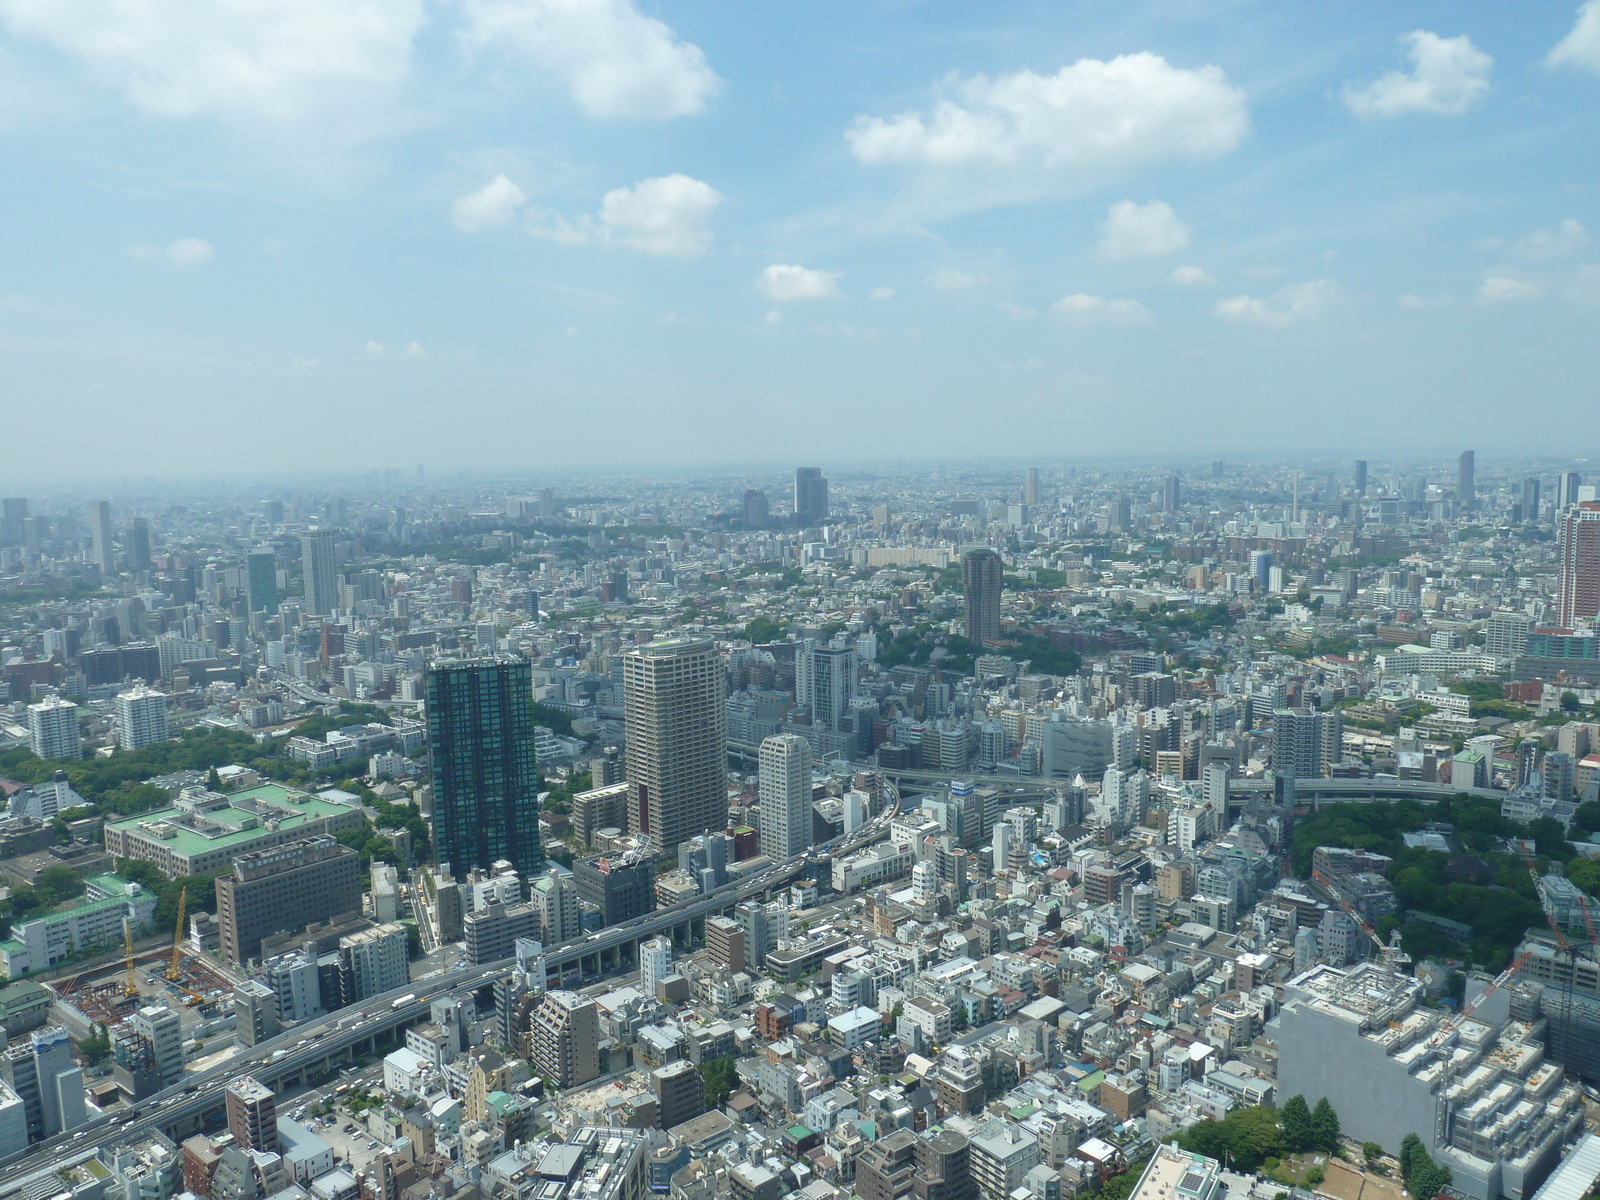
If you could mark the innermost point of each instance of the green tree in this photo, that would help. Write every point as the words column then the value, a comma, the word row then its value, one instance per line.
column 1316, row 1175
column 721, row 1078
column 1324, row 1127
column 1295, row 1122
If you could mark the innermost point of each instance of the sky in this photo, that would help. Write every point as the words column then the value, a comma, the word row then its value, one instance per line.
column 270, row 236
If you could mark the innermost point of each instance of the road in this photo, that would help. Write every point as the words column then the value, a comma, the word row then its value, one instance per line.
column 290, row 1052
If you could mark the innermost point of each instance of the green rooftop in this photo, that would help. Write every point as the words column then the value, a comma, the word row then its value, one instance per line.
column 239, row 822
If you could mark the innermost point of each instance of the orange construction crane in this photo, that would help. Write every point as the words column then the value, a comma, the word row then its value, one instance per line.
column 174, row 971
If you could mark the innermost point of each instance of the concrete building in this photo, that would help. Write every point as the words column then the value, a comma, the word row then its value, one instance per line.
column 982, row 579
column 319, row 575
column 725, row 942
column 1001, row 1155
column 284, row 889
column 564, row 1038
column 53, row 729
column 93, row 921
column 373, row 961
column 141, row 718
column 655, row 964
column 255, row 1012
column 680, row 1092
column 622, row 886
column 1480, row 1094
column 676, row 718
column 785, row 789
column 252, row 1110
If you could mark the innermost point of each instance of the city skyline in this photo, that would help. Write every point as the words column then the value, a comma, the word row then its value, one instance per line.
column 1310, row 225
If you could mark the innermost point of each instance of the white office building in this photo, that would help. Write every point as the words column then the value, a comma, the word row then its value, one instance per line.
column 785, row 782
column 141, row 716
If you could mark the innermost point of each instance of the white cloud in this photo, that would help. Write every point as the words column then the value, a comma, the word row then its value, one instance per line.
column 1083, row 307
column 274, row 59
column 668, row 215
column 1413, row 301
column 882, row 293
column 1581, row 47
column 375, row 349
column 1569, row 237
column 1141, row 231
column 494, row 204
column 1262, row 272
column 1585, row 285
column 1188, row 274
column 1091, row 121
column 783, row 282
column 773, row 317
column 185, row 252
column 614, row 60
column 1017, row 312
column 1447, row 76
column 414, row 350
column 1285, row 306
column 948, row 279
column 1499, row 288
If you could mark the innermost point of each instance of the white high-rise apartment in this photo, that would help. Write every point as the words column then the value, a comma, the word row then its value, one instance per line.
column 785, row 783
column 825, row 683
column 141, row 718
column 320, row 580
column 53, row 729
column 677, row 727
column 655, row 963
column 100, row 535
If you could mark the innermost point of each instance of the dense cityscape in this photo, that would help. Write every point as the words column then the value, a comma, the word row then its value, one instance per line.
column 1210, row 831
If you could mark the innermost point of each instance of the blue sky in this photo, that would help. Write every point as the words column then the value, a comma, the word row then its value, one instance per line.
column 281, row 235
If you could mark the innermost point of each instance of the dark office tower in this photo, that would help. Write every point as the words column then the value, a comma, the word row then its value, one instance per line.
column 1030, row 487
column 1122, row 514
column 677, row 730
column 1169, row 494
column 261, row 580
column 1217, row 467
column 139, row 543
column 810, row 497
column 1361, row 476
column 755, row 508
column 982, row 577
column 274, row 512
column 320, row 580
column 1530, row 500
column 13, row 512
column 1466, row 488
column 485, row 792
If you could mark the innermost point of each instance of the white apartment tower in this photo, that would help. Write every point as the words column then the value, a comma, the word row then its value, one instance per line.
column 141, row 718
column 53, row 729
column 785, row 781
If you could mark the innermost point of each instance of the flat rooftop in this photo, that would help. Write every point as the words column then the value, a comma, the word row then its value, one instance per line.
column 245, row 816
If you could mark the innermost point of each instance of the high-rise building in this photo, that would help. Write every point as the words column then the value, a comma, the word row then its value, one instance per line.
column 1169, row 494
column 1361, row 476
column 825, row 683
column 100, row 550
column 982, row 578
column 1261, row 570
column 622, row 886
column 53, row 730
column 1567, row 485
column 50, row 1086
column 680, row 1093
column 252, row 1110
column 676, row 720
column 139, row 543
column 725, row 942
column 374, row 961
column 785, row 784
column 756, row 513
column 318, row 576
column 564, row 1038
column 810, row 497
column 13, row 512
column 1579, row 598
column 485, row 791
column 261, row 580
column 1306, row 741
column 1530, row 500
column 1466, row 485
column 141, row 717
column 285, row 888
column 255, row 1011
column 1030, row 487
column 655, row 963
column 554, row 897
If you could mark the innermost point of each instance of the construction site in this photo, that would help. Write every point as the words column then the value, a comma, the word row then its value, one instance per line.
column 172, row 976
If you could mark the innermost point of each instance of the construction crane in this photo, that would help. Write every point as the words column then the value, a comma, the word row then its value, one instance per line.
column 174, row 971
column 1392, row 953
column 130, row 988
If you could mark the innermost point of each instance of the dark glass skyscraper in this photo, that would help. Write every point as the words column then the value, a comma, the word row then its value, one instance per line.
column 485, row 791
column 982, row 578
column 261, row 580
column 810, row 497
